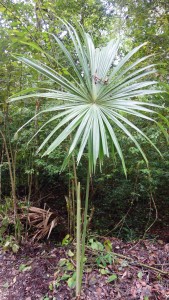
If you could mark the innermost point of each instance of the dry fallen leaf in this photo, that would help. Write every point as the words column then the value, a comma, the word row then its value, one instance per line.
column 14, row 280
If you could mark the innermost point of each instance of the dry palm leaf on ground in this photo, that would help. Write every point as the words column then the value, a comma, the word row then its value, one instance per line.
column 41, row 221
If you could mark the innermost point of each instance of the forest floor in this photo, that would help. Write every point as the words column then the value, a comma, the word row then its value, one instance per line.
column 139, row 271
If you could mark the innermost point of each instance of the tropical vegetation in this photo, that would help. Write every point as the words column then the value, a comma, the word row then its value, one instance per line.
column 91, row 102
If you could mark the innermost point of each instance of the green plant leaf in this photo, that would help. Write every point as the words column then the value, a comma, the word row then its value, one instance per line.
column 108, row 245
column 104, row 271
column 65, row 277
column 67, row 240
column 6, row 285
column 51, row 286
column 24, row 268
column 72, row 281
column 140, row 275
column 62, row 262
column 111, row 278
column 99, row 99
column 15, row 248
column 70, row 253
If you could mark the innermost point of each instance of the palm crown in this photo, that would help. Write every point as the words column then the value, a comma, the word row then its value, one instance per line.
column 95, row 99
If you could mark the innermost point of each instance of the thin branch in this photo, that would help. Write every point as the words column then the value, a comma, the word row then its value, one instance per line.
column 133, row 262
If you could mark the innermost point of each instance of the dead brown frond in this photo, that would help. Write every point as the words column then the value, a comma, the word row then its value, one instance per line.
column 41, row 221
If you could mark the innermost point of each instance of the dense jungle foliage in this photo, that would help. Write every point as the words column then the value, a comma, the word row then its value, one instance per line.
column 127, row 207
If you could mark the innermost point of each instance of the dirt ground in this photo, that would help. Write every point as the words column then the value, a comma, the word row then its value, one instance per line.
column 141, row 273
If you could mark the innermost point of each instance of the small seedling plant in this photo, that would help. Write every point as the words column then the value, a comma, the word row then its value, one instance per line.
column 99, row 258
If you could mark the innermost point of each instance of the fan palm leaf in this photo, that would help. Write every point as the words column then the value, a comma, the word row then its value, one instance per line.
column 96, row 99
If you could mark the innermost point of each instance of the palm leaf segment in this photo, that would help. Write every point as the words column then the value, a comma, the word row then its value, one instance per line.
column 96, row 99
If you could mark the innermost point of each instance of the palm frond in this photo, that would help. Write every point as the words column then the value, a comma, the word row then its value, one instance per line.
column 96, row 99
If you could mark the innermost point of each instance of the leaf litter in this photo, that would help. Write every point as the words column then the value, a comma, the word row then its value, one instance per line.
column 139, row 271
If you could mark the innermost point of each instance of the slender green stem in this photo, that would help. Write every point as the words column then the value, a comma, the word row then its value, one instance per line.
column 73, row 209
column 74, row 188
column 78, row 243
column 74, row 171
column 84, row 226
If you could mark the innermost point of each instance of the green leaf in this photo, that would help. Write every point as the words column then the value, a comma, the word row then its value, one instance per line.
column 24, row 268
column 95, row 245
column 111, row 278
column 140, row 275
column 6, row 285
column 67, row 240
column 70, row 253
column 104, row 272
column 15, row 248
column 62, row 262
column 95, row 100
column 72, row 281
column 65, row 277
column 70, row 266
column 51, row 286
column 108, row 245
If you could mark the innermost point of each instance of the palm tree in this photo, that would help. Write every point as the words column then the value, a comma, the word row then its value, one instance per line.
column 98, row 97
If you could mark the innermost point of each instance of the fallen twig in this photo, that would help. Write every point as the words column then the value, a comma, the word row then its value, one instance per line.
column 133, row 262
